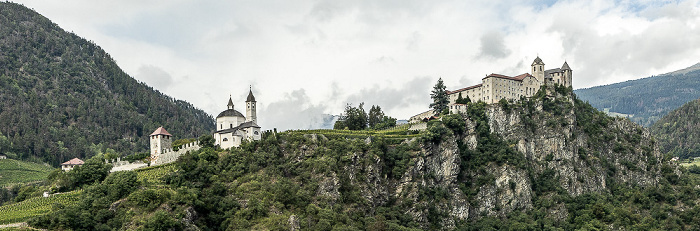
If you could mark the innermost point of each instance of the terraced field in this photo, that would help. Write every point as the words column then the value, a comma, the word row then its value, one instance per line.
column 155, row 174
column 15, row 171
column 22, row 211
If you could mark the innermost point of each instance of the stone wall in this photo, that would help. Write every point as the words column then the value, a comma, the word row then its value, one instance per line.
column 169, row 155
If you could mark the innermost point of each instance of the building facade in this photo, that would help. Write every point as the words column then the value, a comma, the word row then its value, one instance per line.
column 495, row 87
column 232, row 127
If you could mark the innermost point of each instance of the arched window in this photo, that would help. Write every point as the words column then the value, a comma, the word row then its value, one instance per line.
column 540, row 68
column 225, row 139
column 231, row 125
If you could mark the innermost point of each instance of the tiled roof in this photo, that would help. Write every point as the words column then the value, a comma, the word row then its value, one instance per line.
column 230, row 112
column 74, row 161
column 463, row 89
column 160, row 131
column 516, row 78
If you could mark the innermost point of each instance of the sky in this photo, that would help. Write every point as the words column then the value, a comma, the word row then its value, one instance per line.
column 307, row 58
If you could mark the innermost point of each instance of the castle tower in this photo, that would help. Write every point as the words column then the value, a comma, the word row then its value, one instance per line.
column 567, row 74
column 250, row 111
column 538, row 69
column 160, row 140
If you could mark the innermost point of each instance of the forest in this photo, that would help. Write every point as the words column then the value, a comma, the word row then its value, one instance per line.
column 62, row 96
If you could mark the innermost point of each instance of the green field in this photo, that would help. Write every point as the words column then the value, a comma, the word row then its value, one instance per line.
column 154, row 174
column 15, row 171
column 399, row 132
column 22, row 211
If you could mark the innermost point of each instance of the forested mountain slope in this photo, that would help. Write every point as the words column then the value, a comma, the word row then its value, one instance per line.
column 551, row 162
column 679, row 131
column 60, row 94
column 647, row 99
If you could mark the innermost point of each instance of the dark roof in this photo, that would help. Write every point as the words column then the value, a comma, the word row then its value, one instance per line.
column 537, row 61
column 248, row 124
column 230, row 112
column 230, row 102
column 251, row 98
column 239, row 127
column 161, row 131
column 463, row 89
column 74, row 161
column 565, row 66
column 228, row 130
column 516, row 78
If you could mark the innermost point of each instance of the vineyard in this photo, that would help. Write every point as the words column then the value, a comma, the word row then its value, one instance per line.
column 15, row 171
column 399, row 132
column 33, row 207
column 154, row 174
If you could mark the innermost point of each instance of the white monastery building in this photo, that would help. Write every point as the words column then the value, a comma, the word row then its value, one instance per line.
column 232, row 127
column 495, row 87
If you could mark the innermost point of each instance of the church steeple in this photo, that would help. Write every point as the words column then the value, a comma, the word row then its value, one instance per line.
column 250, row 111
column 251, row 98
column 230, row 102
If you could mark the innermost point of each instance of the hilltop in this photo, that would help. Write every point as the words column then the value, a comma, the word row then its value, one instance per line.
column 62, row 96
column 679, row 131
column 546, row 163
column 647, row 99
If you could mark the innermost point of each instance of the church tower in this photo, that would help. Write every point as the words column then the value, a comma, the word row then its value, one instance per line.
column 160, row 140
column 538, row 69
column 250, row 111
column 567, row 74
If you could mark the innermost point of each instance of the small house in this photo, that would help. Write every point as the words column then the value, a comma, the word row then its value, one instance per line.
column 69, row 165
column 2, row 157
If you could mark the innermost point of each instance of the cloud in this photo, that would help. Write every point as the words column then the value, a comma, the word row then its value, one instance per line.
column 493, row 45
column 395, row 100
column 294, row 111
column 154, row 76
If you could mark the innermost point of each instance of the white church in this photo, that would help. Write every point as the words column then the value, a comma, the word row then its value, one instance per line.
column 232, row 127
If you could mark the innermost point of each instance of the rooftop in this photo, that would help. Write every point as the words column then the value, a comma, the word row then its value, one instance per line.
column 160, row 131
column 74, row 161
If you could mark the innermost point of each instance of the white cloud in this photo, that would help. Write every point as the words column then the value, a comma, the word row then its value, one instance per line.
column 305, row 57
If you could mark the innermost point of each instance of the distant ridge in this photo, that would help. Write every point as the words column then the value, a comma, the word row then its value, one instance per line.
column 646, row 100
column 62, row 96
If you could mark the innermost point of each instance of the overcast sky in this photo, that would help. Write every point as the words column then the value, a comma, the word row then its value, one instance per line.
column 307, row 58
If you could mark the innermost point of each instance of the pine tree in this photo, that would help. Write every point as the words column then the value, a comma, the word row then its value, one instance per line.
column 439, row 96
column 461, row 100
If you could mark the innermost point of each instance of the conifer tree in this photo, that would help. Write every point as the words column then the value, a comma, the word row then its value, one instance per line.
column 439, row 96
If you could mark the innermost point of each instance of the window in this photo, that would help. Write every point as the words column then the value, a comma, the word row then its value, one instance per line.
column 231, row 125
column 225, row 139
column 540, row 68
column 256, row 133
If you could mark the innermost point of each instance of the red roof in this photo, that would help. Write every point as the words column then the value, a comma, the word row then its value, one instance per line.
column 517, row 78
column 463, row 89
column 74, row 161
column 160, row 131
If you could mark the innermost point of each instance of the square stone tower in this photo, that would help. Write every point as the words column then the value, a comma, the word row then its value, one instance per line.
column 160, row 140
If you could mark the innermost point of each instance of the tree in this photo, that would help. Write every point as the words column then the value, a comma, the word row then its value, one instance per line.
column 461, row 100
column 376, row 116
column 354, row 118
column 439, row 96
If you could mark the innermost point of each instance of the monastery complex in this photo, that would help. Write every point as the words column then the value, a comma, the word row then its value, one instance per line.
column 495, row 87
column 231, row 129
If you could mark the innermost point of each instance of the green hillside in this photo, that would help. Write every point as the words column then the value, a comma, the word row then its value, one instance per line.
column 15, row 171
column 61, row 94
column 679, row 131
column 546, row 163
column 37, row 206
column 647, row 99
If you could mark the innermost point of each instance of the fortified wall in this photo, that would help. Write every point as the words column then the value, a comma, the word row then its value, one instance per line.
column 169, row 155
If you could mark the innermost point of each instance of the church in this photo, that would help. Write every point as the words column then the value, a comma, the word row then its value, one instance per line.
column 232, row 127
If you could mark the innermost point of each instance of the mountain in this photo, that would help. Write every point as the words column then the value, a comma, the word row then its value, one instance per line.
column 62, row 96
column 678, row 132
column 646, row 100
column 551, row 162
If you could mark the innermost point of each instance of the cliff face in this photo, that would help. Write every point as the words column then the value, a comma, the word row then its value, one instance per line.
column 552, row 145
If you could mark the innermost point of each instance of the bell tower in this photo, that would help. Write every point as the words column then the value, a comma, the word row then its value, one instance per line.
column 538, row 69
column 250, row 110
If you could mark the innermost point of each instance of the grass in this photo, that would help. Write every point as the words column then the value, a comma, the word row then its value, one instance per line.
column 154, row 174
column 15, row 171
column 399, row 132
column 692, row 162
column 37, row 206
